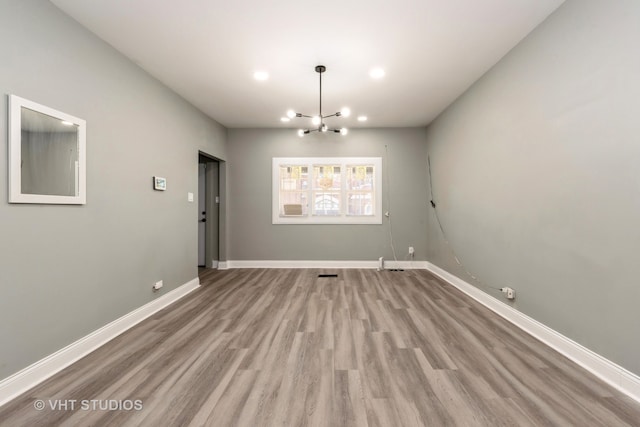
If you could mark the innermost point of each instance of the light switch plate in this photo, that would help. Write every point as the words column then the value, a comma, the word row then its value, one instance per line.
column 190, row 197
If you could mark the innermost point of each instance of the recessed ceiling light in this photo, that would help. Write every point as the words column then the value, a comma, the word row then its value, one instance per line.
column 362, row 118
column 261, row 75
column 376, row 73
column 285, row 119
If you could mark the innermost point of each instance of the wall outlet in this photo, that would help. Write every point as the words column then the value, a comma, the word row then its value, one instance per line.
column 509, row 292
column 411, row 250
column 157, row 285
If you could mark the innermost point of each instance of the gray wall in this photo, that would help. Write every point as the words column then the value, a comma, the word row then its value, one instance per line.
column 253, row 237
column 67, row 270
column 536, row 176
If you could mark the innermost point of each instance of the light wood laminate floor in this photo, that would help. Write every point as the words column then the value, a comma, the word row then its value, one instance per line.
column 287, row 348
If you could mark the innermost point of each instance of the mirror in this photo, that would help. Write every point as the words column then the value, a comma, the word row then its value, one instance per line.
column 47, row 158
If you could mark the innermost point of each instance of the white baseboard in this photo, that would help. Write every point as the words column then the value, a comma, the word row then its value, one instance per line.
column 608, row 371
column 406, row 265
column 34, row 374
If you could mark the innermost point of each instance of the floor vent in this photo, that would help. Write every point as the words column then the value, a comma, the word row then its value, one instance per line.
column 327, row 275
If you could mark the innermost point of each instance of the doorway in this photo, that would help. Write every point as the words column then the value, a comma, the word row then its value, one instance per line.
column 208, row 211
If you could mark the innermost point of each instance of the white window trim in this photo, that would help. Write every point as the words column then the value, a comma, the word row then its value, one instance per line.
column 343, row 162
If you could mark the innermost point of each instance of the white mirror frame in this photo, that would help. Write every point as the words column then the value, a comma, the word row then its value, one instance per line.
column 15, row 155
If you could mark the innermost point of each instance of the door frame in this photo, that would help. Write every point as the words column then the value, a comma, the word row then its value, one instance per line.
column 215, row 235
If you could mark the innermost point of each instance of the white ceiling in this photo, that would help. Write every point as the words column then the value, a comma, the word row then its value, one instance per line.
column 208, row 50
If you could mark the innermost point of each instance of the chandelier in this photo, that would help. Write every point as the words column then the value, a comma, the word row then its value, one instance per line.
column 318, row 120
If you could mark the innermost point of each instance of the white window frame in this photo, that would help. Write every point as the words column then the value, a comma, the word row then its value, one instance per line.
column 343, row 218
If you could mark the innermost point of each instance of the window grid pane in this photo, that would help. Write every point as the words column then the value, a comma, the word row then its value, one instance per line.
column 327, row 186
column 294, row 184
column 359, row 203
column 360, row 190
column 326, row 204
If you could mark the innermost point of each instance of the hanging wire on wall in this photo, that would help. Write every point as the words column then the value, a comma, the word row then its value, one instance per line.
column 444, row 235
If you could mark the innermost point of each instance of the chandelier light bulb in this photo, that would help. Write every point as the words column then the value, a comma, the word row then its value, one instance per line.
column 315, row 120
column 324, row 128
column 291, row 114
column 300, row 133
column 344, row 131
column 346, row 112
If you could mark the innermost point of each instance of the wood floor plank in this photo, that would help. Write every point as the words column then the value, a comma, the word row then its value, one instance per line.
column 228, row 409
column 261, row 403
column 279, row 347
column 344, row 349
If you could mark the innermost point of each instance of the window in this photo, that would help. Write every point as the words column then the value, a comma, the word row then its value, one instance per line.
column 330, row 190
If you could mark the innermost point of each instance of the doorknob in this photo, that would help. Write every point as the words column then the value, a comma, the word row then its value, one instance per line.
column 203, row 220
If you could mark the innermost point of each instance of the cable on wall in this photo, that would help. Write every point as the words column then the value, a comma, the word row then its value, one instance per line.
column 388, row 212
column 444, row 236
